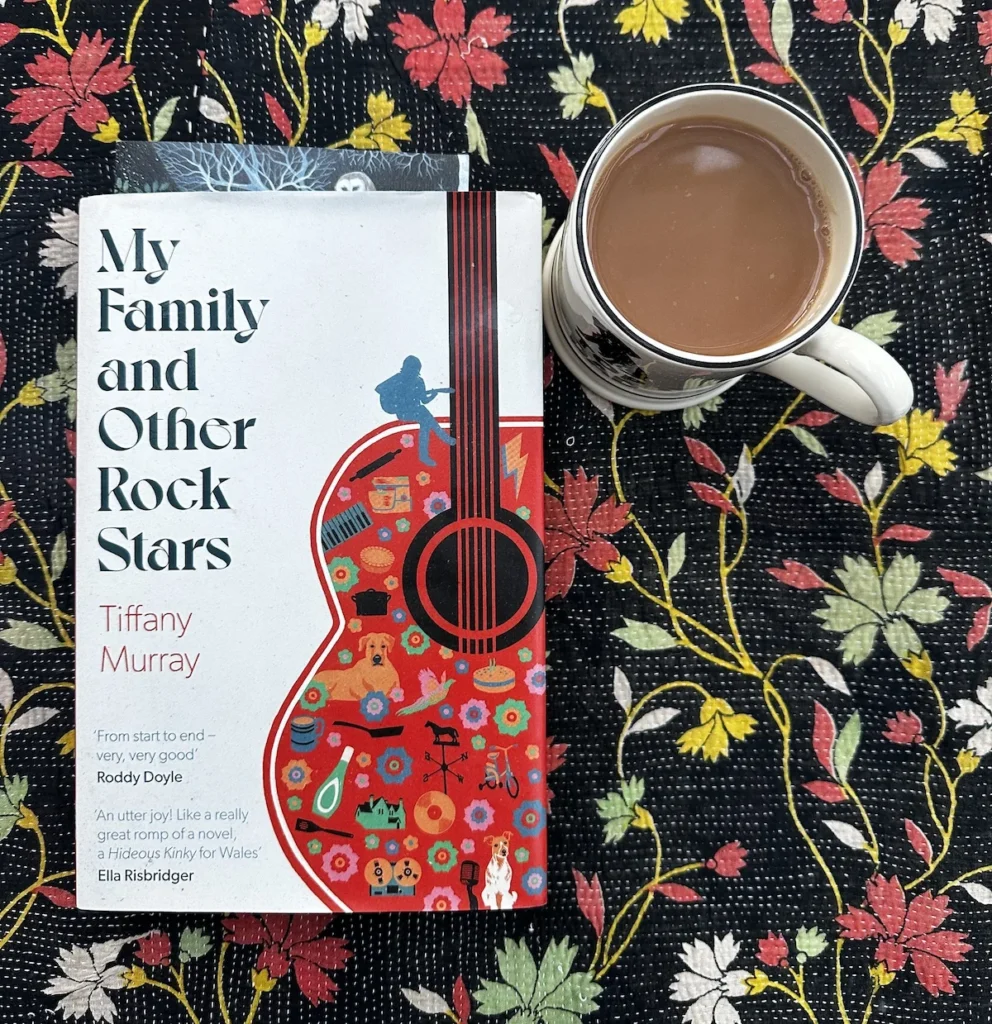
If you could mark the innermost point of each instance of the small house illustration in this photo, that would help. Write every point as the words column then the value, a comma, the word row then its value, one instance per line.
column 379, row 813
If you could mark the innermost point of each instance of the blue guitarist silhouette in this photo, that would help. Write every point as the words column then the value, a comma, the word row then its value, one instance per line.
column 406, row 396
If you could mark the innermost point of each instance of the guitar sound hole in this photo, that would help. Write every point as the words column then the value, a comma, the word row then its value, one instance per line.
column 507, row 574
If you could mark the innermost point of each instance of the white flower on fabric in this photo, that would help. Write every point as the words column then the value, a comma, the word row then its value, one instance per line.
column 63, row 250
column 87, row 975
column 938, row 17
column 709, row 985
column 976, row 714
column 355, row 17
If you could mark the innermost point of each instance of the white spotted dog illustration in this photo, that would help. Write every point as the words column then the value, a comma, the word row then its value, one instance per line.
column 499, row 874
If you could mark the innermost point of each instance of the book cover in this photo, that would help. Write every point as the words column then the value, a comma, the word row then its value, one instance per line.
column 311, row 641
column 230, row 167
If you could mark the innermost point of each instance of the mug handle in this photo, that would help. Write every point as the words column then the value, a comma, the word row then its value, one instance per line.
column 848, row 372
column 319, row 727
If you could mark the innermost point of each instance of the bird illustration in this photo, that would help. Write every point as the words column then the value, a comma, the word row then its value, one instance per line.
column 434, row 691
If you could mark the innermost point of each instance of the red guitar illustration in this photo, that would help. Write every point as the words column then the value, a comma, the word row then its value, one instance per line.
column 405, row 770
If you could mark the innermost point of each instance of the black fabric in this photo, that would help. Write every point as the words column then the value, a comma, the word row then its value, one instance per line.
column 940, row 298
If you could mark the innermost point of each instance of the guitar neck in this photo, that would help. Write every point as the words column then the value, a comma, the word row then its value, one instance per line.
column 474, row 354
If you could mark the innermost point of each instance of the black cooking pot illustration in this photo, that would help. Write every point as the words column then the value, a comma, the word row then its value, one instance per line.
column 371, row 602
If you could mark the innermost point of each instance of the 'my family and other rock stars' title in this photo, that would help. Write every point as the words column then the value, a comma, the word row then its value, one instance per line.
column 122, row 429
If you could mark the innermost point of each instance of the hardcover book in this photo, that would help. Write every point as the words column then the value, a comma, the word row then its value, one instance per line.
column 311, row 640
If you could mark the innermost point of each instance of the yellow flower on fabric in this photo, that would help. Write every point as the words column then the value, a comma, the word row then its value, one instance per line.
column 108, row 131
column 621, row 572
column 384, row 130
column 920, row 443
column 898, row 33
column 967, row 761
column 30, row 394
column 717, row 723
column 882, row 975
column 918, row 665
column 650, row 18
column 967, row 124
column 134, row 977
column 756, row 983
column 314, row 34
column 262, row 981
column 67, row 742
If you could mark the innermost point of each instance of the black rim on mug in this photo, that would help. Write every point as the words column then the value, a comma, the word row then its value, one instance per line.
column 643, row 342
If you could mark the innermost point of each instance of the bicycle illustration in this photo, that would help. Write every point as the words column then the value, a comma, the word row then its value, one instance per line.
column 495, row 778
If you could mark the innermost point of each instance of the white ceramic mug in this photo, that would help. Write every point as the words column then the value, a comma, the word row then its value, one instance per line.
column 614, row 359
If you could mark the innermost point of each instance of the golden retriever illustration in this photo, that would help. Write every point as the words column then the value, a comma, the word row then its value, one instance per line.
column 373, row 672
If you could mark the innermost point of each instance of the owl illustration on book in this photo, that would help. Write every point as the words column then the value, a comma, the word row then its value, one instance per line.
column 431, row 562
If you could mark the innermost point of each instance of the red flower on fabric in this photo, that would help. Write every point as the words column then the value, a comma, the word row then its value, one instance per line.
column 562, row 169
column 573, row 528
column 888, row 219
column 833, row 12
column 292, row 940
column 450, row 55
column 68, row 86
column 250, row 7
column 908, row 933
column 728, row 860
column 985, row 33
column 951, row 388
column 774, row 950
column 154, row 949
column 905, row 728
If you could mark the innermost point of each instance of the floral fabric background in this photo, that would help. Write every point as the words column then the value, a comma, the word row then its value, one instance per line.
column 768, row 627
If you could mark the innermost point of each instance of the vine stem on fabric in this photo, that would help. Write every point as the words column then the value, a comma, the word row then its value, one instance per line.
column 973, row 873
column 235, row 116
column 221, row 998
column 715, row 7
column 632, row 715
column 28, row 816
column 178, row 994
column 796, row 997
column 128, row 50
column 14, row 169
column 15, row 709
column 301, row 101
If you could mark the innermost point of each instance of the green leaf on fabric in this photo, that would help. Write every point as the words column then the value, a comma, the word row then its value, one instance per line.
column 846, row 746
column 29, row 636
column 900, row 577
column 782, row 29
column 163, row 119
column 60, row 553
column 645, row 636
column 843, row 614
column 925, row 606
column 861, row 581
column 858, row 644
column 572, row 84
column 13, row 790
column 476, row 139
column 555, row 966
column 193, row 943
column 494, row 998
column 901, row 638
column 676, row 556
column 518, row 969
column 550, row 994
column 809, row 440
column 810, row 941
column 879, row 327
column 617, row 810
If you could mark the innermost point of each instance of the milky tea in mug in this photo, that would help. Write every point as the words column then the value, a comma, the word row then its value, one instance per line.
column 709, row 237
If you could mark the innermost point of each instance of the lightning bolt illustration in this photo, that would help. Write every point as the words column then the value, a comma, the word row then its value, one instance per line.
column 514, row 462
